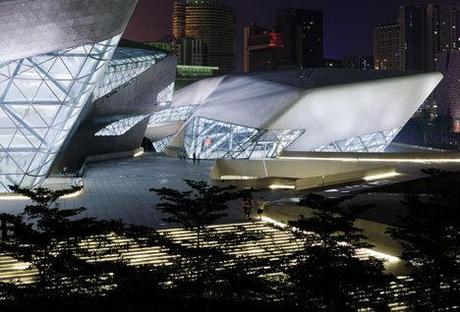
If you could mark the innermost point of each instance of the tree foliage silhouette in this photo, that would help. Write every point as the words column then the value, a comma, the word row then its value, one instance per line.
column 210, row 270
column 327, row 275
column 54, row 242
column 430, row 236
column 197, row 208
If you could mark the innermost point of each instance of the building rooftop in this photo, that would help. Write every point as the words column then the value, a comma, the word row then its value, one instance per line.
column 321, row 77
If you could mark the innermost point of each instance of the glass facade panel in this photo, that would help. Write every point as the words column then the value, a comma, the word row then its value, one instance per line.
column 173, row 114
column 41, row 97
column 272, row 143
column 370, row 143
column 127, row 64
column 119, row 128
column 161, row 145
column 211, row 139
column 165, row 97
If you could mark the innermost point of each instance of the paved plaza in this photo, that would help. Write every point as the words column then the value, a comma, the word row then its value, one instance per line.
column 119, row 189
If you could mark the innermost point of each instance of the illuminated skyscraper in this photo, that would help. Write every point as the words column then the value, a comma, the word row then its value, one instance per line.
column 387, row 48
column 212, row 25
column 442, row 32
column 412, row 21
column 424, row 33
column 179, row 20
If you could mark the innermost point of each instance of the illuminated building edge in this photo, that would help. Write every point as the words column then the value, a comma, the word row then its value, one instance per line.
column 50, row 94
column 262, row 116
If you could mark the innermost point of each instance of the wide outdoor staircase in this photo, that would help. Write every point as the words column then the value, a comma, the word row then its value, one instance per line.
column 12, row 270
column 271, row 244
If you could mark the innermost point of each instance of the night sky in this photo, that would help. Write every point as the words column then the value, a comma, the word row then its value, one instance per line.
column 348, row 23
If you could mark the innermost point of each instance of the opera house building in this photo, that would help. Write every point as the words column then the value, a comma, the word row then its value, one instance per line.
column 265, row 115
column 69, row 91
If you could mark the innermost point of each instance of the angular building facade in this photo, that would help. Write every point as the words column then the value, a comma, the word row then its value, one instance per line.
column 264, row 115
column 69, row 91
column 60, row 69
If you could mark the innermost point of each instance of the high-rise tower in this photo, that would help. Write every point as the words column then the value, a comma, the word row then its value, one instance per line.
column 179, row 19
column 412, row 21
column 263, row 49
column 442, row 29
column 212, row 25
column 388, row 48
column 302, row 31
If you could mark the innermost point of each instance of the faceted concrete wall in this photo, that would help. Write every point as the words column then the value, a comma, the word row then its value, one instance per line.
column 53, row 55
column 32, row 27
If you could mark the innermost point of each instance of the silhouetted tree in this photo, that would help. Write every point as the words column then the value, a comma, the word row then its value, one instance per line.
column 197, row 208
column 327, row 275
column 210, row 270
column 55, row 242
column 430, row 236
column 68, row 252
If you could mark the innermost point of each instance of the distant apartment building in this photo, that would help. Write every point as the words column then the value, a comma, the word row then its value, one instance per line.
column 204, row 32
column 446, row 97
column 443, row 31
column 179, row 19
column 190, row 51
column 388, row 45
column 263, row 49
column 425, row 33
column 302, row 31
column 412, row 21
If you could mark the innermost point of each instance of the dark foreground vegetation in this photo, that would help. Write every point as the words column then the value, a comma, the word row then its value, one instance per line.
column 76, row 269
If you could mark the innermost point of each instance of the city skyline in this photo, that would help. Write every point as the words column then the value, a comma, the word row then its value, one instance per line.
column 348, row 30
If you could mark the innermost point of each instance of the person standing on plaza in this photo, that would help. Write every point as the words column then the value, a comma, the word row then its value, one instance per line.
column 247, row 206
